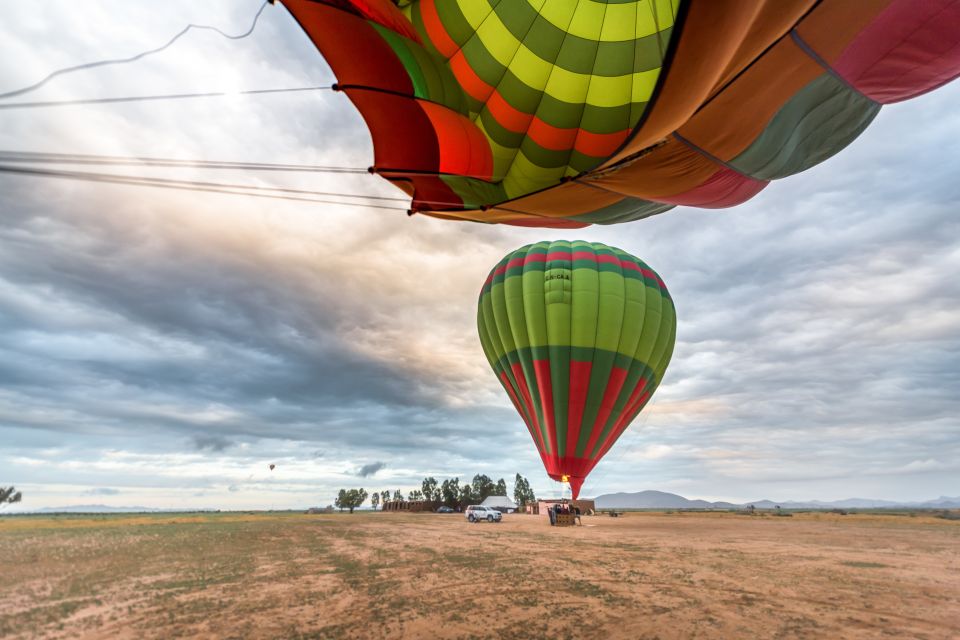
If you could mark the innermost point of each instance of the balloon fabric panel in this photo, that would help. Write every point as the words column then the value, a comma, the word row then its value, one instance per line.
column 481, row 110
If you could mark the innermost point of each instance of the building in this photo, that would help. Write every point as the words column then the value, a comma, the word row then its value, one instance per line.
column 500, row 503
column 410, row 505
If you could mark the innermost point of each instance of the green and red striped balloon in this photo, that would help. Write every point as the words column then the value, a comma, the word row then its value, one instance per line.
column 579, row 335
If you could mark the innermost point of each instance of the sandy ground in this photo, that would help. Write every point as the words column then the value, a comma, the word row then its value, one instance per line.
column 377, row 575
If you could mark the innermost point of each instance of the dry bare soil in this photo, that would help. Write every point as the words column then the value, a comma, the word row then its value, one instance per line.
column 386, row 575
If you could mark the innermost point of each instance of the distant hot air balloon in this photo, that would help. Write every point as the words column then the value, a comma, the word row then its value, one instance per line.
column 272, row 467
column 556, row 113
column 579, row 335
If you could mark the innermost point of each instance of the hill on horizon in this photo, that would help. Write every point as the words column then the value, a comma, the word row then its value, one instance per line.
column 650, row 499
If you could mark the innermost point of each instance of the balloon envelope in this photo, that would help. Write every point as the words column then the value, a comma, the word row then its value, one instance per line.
column 558, row 113
column 579, row 335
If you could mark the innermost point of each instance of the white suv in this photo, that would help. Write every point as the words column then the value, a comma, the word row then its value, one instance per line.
column 476, row 513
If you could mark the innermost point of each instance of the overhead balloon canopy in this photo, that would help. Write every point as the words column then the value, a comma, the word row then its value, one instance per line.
column 555, row 113
column 579, row 335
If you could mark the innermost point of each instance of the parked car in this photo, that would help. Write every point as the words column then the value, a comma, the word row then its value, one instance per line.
column 476, row 513
column 445, row 509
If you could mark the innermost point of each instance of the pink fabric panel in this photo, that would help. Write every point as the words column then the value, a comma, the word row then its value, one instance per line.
column 725, row 188
column 913, row 46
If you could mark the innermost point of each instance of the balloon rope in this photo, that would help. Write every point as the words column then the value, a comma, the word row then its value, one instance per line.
column 40, row 157
column 255, row 191
column 152, row 98
column 103, row 63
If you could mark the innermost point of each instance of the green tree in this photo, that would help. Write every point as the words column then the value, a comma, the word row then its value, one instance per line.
column 429, row 488
column 482, row 487
column 384, row 497
column 9, row 495
column 350, row 499
column 450, row 492
column 466, row 497
column 501, row 489
column 375, row 500
column 397, row 496
column 522, row 493
column 416, row 494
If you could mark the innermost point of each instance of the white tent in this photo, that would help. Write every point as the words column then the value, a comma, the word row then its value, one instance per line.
column 500, row 503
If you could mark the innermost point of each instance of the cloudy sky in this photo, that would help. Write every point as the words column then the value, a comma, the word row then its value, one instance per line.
column 161, row 348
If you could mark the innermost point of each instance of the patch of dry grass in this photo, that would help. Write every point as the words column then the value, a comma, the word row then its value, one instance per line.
column 375, row 575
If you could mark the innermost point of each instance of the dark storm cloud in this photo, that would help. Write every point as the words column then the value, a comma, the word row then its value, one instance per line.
column 371, row 469
column 212, row 330
column 211, row 443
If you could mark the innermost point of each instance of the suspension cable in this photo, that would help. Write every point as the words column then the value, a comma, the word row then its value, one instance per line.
column 152, row 98
column 190, row 185
column 103, row 63
column 35, row 157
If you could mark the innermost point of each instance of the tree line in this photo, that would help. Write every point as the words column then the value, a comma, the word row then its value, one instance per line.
column 449, row 493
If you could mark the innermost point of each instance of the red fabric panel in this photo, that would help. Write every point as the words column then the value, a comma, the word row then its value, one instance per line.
column 354, row 50
column 579, row 385
column 545, row 388
column 430, row 192
column 630, row 407
column 403, row 135
column 910, row 48
column 435, row 30
column 614, row 384
column 629, row 413
column 383, row 12
column 464, row 149
column 725, row 188
column 517, row 369
column 505, row 380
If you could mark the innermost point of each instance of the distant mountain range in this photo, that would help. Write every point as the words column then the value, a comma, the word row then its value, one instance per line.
column 96, row 508
column 663, row 500
column 100, row 508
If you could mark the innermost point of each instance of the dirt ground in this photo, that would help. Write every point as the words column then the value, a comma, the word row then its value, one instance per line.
column 388, row 575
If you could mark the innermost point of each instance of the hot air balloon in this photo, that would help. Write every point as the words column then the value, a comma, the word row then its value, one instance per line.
column 272, row 466
column 554, row 113
column 579, row 335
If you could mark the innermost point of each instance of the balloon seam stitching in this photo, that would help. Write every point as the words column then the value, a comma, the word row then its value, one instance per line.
column 813, row 55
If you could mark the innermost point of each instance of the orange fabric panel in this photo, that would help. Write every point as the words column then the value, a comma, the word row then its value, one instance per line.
column 669, row 170
column 834, row 24
column 567, row 199
column 435, row 30
column 506, row 115
column 774, row 20
column 710, row 36
column 471, row 83
column 501, row 216
column 732, row 121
